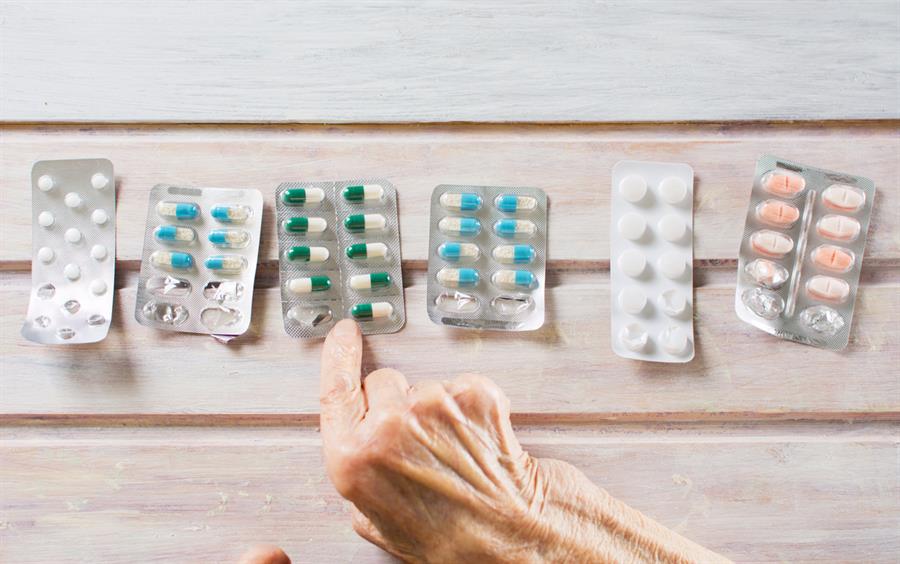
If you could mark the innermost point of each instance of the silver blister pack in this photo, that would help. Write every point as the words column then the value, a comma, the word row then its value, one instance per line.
column 487, row 257
column 73, row 205
column 339, row 256
column 802, row 251
column 201, row 247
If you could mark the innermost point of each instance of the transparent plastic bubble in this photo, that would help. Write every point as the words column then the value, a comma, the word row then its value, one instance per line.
column 162, row 312
column 767, row 273
column 822, row 319
column 72, row 306
column 65, row 333
column 168, row 286
column 763, row 303
column 42, row 321
column 46, row 291
column 96, row 319
column 223, row 291
column 310, row 315
column 512, row 305
column 220, row 317
column 457, row 302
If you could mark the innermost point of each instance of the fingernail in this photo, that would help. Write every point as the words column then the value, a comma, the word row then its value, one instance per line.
column 346, row 328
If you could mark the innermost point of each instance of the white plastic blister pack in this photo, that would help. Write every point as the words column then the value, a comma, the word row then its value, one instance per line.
column 339, row 256
column 198, row 268
column 651, row 261
column 801, row 255
column 73, row 206
column 487, row 257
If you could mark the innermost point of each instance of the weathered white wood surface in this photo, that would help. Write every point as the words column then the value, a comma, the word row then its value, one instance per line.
column 756, row 493
column 405, row 61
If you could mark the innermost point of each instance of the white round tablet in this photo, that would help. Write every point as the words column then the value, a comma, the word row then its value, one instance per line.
column 672, row 190
column 98, row 252
column 673, row 340
column 672, row 303
column 633, row 188
column 45, row 254
column 72, row 271
column 672, row 265
column 45, row 219
column 73, row 200
column 99, row 217
column 634, row 337
column 671, row 228
column 632, row 226
column 632, row 263
column 98, row 287
column 632, row 301
column 73, row 235
column 45, row 183
column 99, row 181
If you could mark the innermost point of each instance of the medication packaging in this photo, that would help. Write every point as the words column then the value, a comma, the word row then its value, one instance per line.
column 201, row 247
column 801, row 255
column 651, row 261
column 73, row 237
column 339, row 256
column 487, row 257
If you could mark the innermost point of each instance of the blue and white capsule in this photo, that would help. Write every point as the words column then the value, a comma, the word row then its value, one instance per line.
column 175, row 234
column 459, row 252
column 229, row 238
column 461, row 202
column 226, row 264
column 460, row 226
column 514, row 254
column 183, row 211
column 514, row 279
column 171, row 260
column 515, row 228
column 510, row 203
column 231, row 213
column 458, row 277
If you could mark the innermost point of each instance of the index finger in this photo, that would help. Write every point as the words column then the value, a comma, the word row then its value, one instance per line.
column 342, row 402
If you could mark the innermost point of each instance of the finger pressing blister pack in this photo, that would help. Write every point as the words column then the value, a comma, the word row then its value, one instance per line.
column 201, row 247
column 74, row 240
column 801, row 255
column 487, row 257
column 339, row 256
column 651, row 261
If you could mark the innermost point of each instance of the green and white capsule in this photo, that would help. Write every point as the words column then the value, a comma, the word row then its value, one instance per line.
column 365, row 251
column 363, row 193
column 365, row 223
column 175, row 234
column 307, row 254
column 229, row 238
column 302, row 196
column 514, row 279
column 308, row 285
column 373, row 281
column 368, row 312
column 304, row 225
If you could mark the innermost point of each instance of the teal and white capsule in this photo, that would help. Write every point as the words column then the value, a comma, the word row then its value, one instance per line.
column 363, row 193
column 365, row 223
column 458, row 277
column 459, row 252
column 309, row 284
column 510, row 228
column 171, row 260
column 461, row 202
column 460, row 226
column 514, row 279
column 175, row 234
column 231, row 213
column 373, row 281
column 510, row 203
column 368, row 312
column 184, row 211
column 229, row 238
column 226, row 264
column 366, row 251
column 513, row 254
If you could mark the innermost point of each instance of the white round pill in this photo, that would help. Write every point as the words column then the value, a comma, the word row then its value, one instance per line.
column 98, row 287
column 73, row 235
column 672, row 190
column 632, row 226
column 671, row 265
column 73, row 200
column 632, row 301
column 634, row 337
column 671, row 228
column 673, row 340
column 45, row 254
column 45, row 183
column 632, row 263
column 72, row 271
column 98, row 252
column 99, row 217
column 633, row 188
column 45, row 219
column 99, row 181
column 672, row 302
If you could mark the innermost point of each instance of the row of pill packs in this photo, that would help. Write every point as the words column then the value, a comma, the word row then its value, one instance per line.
column 339, row 256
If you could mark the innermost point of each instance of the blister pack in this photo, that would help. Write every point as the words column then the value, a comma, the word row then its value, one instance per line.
column 339, row 256
column 73, row 235
column 651, row 261
column 487, row 257
column 198, row 268
column 801, row 255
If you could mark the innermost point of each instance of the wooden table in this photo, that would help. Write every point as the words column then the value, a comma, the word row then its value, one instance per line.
column 151, row 446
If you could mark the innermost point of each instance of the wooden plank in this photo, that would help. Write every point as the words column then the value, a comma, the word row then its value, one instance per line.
column 566, row 368
column 402, row 61
column 572, row 163
column 759, row 493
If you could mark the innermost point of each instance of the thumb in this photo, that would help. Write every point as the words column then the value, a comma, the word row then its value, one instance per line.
column 342, row 402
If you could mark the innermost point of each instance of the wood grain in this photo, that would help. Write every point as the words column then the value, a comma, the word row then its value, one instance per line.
column 572, row 163
column 403, row 61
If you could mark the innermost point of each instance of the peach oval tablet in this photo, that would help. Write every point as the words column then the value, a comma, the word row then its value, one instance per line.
column 838, row 227
column 778, row 213
column 781, row 182
column 771, row 243
column 835, row 259
column 843, row 198
column 828, row 289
